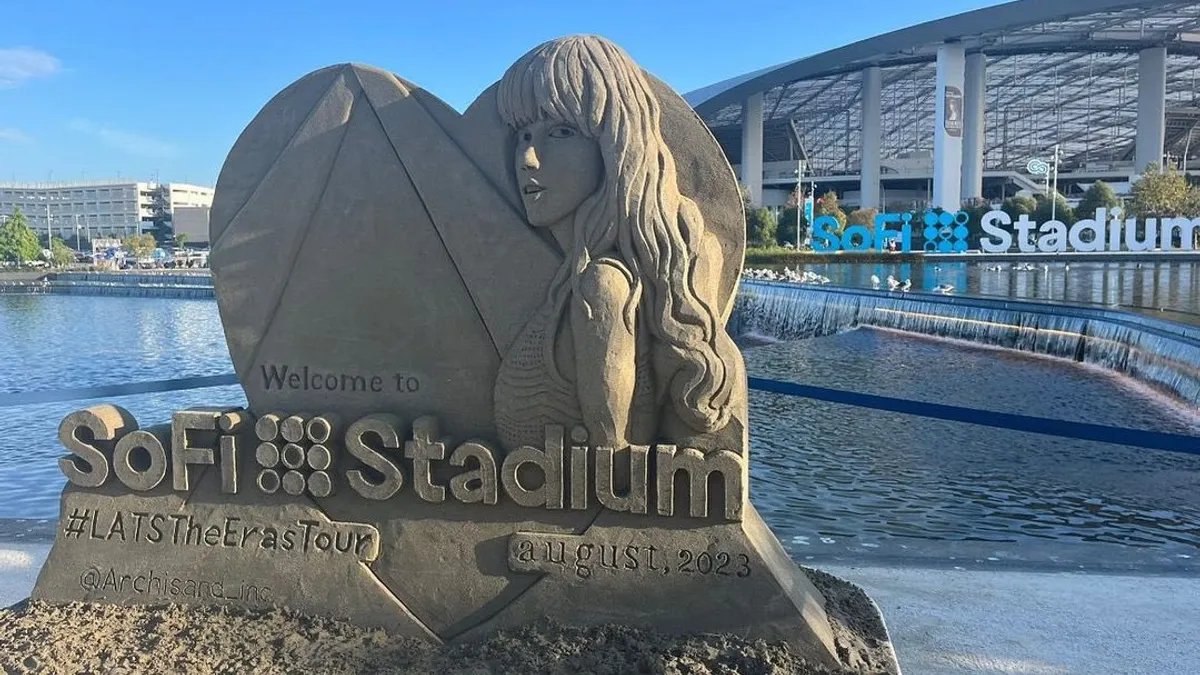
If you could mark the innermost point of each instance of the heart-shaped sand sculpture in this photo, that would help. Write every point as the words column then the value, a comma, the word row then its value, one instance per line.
column 371, row 254
column 364, row 229
column 488, row 375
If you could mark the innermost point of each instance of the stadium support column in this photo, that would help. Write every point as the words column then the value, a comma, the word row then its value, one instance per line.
column 872, row 115
column 1152, row 108
column 974, row 102
column 752, row 147
column 948, row 127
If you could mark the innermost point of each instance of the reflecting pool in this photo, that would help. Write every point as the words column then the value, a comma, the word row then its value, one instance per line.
column 833, row 481
column 839, row 481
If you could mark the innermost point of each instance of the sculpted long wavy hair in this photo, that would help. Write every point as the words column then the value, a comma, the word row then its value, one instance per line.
column 638, row 212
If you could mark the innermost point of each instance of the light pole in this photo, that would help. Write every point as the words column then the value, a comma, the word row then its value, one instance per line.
column 799, row 198
column 1054, row 190
column 49, row 232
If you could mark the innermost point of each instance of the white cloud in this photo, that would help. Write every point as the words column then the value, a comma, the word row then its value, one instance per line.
column 14, row 135
column 127, row 141
column 21, row 64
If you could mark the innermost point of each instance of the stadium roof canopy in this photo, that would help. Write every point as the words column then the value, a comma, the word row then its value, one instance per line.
column 1058, row 71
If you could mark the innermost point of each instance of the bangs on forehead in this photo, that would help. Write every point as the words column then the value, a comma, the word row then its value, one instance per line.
column 546, row 84
column 517, row 97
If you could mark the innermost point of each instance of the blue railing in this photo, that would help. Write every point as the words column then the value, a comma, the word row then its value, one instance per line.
column 1140, row 438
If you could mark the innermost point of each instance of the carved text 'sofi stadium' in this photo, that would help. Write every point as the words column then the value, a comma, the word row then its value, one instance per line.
column 955, row 109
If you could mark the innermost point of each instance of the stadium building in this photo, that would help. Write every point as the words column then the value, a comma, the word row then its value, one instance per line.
column 973, row 107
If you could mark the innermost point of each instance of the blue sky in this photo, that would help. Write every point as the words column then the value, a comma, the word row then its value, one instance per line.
column 96, row 89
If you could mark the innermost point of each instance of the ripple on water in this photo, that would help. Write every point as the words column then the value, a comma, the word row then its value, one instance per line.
column 62, row 341
column 894, row 476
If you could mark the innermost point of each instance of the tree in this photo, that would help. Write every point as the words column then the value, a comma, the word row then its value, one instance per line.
column 17, row 241
column 976, row 209
column 1061, row 211
column 1159, row 194
column 791, row 227
column 1191, row 208
column 181, row 239
column 61, row 255
column 864, row 217
column 1019, row 205
column 760, row 223
column 140, row 245
column 1099, row 196
column 795, row 198
column 79, row 242
column 827, row 205
column 760, row 227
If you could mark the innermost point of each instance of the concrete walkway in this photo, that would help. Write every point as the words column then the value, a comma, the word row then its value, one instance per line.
column 949, row 622
column 19, row 566
column 946, row 622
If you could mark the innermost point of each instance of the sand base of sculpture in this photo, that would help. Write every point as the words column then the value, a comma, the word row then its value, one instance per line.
column 442, row 571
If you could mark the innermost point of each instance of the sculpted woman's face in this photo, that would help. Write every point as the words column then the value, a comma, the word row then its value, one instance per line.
column 557, row 168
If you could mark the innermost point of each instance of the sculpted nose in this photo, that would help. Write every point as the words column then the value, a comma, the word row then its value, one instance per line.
column 529, row 160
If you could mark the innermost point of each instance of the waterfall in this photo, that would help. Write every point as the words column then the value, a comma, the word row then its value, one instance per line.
column 195, row 286
column 1159, row 353
column 153, row 278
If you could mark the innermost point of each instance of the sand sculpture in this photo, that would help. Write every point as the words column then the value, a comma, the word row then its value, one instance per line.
column 487, row 372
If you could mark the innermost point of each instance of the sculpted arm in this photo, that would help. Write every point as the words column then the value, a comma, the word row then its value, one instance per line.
column 605, row 352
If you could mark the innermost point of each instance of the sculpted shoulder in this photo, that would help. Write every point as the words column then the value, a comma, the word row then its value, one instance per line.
column 605, row 282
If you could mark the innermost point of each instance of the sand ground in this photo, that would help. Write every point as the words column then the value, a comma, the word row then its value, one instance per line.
column 948, row 621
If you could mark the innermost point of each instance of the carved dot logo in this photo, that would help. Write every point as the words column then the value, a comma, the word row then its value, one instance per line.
column 295, row 454
column 946, row 232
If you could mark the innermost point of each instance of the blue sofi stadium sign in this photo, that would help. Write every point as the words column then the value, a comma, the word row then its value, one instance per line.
column 943, row 233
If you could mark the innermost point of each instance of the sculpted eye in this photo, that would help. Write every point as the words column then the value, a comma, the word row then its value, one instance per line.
column 562, row 132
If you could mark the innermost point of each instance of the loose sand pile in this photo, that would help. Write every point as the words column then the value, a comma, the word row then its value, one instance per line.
column 110, row 640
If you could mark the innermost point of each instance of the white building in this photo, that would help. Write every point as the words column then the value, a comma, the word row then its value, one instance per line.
column 192, row 221
column 98, row 208
column 184, row 195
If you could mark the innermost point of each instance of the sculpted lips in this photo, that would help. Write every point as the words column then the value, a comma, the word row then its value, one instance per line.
column 532, row 188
